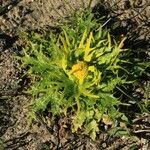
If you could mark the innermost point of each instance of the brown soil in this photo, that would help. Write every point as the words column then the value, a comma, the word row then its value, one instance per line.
column 26, row 15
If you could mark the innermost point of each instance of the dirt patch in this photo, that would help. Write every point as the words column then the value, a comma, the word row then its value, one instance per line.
column 34, row 14
column 9, row 74
column 132, row 18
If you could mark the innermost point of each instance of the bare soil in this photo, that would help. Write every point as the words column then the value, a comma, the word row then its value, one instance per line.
column 131, row 18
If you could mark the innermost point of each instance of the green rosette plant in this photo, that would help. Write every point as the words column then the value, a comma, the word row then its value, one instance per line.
column 75, row 73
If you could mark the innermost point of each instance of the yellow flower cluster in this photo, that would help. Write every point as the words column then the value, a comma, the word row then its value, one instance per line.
column 79, row 70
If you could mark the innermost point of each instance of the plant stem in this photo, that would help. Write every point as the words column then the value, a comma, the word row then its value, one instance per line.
column 78, row 103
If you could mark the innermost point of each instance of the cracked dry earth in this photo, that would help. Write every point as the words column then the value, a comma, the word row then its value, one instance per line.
column 28, row 15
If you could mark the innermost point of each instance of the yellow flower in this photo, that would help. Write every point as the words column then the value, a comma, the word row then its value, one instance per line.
column 79, row 70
